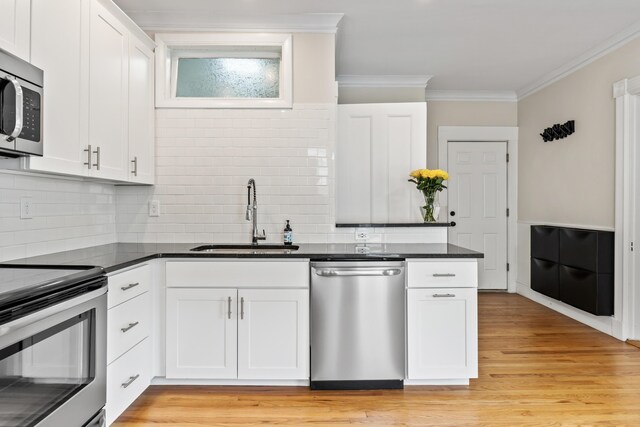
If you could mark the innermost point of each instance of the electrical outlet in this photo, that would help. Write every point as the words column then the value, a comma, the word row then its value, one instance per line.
column 362, row 234
column 26, row 208
column 154, row 208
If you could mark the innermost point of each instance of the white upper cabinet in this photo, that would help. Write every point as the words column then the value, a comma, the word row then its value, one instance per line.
column 108, row 94
column 378, row 145
column 14, row 31
column 65, row 82
column 98, row 102
column 141, row 114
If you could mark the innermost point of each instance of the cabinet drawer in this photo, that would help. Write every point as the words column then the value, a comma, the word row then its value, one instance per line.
column 545, row 243
column 544, row 277
column 127, row 325
column 127, row 378
column 128, row 284
column 236, row 274
column 587, row 290
column 442, row 274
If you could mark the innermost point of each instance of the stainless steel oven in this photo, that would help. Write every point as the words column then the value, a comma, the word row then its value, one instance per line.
column 21, row 91
column 53, row 353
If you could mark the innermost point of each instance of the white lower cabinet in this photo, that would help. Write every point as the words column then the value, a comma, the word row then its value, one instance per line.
column 442, row 333
column 272, row 334
column 128, row 338
column 201, row 333
column 442, row 321
column 251, row 330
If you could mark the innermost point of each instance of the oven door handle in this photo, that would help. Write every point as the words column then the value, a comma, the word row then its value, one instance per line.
column 50, row 311
column 17, row 130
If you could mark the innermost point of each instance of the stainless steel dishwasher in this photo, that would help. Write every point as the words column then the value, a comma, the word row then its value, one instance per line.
column 357, row 325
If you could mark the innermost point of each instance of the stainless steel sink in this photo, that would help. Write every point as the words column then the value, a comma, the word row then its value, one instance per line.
column 247, row 249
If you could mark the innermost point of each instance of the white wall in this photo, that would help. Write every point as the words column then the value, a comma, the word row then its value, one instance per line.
column 67, row 214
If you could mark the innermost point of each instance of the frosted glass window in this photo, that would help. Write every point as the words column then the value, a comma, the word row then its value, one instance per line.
column 228, row 78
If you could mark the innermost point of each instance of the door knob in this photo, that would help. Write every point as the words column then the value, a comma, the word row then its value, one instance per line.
column 452, row 213
column 453, row 223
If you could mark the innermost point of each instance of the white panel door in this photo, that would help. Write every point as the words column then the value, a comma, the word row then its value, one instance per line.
column 378, row 145
column 65, row 81
column 14, row 31
column 108, row 93
column 442, row 333
column 273, row 334
column 141, row 113
column 201, row 333
column 477, row 194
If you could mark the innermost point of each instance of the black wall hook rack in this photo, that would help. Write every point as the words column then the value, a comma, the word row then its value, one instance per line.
column 559, row 131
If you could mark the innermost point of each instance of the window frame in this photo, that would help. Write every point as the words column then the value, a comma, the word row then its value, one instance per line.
column 166, row 76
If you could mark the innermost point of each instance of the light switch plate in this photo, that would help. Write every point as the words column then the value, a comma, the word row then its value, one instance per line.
column 154, row 208
column 26, row 208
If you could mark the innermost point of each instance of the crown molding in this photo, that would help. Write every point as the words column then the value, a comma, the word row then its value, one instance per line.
column 472, row 95
column 351, row 80
column 608, row 46
column 181, row 20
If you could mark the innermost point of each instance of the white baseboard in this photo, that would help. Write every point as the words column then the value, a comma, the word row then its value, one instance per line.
column 603, row 324
column 230, row 382
column 464, row 381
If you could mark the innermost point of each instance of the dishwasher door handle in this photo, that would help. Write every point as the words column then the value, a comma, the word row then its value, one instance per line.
column 355, row 273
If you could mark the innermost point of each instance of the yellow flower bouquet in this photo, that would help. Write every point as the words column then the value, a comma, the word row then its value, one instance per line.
column 429, row 182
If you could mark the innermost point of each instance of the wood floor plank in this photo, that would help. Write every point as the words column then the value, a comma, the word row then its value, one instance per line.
column 537, row 368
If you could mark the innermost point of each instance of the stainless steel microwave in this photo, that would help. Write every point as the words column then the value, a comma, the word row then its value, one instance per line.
column 21, row 90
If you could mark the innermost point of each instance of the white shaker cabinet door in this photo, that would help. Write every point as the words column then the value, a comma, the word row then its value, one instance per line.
column 442, row 333
column 66, row 84
column 108, row 94
column 141, row 113
column 273, row 334
column 14, row 31
column 201, row 333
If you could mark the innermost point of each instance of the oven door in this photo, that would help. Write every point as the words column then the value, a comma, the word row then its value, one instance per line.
column 53, row 364
column 20, row 115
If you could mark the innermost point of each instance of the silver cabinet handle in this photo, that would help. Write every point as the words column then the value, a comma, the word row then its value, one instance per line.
column 241, row 308
column 444, row 275
column 229, row 306
column 443, row 295
column 130, row 381
column 97, row 163
column 17, row 129
column 89, row 152
column 135, row 166
column 131, row 325
column 343, row 273
column 129, row 286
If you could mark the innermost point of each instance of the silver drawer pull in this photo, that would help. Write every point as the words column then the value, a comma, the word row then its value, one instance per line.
column 130, row 381
column 444, row 275
column 132, row 285
column 444, row 295
column 131, row 325
column 229, row 307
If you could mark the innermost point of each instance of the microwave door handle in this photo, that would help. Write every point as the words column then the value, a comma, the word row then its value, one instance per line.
column 17, row 130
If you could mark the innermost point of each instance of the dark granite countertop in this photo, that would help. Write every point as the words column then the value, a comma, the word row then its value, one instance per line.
column 116, row 256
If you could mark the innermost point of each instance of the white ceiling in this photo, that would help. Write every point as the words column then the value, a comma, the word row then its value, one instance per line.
column 481, row 45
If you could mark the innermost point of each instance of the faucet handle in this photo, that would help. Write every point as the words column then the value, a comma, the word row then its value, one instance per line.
column 263, row 236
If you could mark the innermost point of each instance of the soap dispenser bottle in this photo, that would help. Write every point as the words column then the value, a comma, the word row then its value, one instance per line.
column 288, row 234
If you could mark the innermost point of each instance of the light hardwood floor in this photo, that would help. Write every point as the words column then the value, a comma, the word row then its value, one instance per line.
column 537, row 367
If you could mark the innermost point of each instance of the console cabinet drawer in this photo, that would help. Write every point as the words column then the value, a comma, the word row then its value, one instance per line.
column 442, row 274
column 128, row 284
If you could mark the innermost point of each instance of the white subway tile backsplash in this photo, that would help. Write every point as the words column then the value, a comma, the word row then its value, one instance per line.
column 67, row 214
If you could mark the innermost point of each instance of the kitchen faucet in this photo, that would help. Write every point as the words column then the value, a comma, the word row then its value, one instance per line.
column 252, row 213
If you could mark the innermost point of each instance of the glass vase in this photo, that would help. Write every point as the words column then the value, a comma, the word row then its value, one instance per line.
column 431, row 209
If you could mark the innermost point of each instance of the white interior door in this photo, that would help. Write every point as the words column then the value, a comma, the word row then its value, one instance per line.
column 477, row 199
